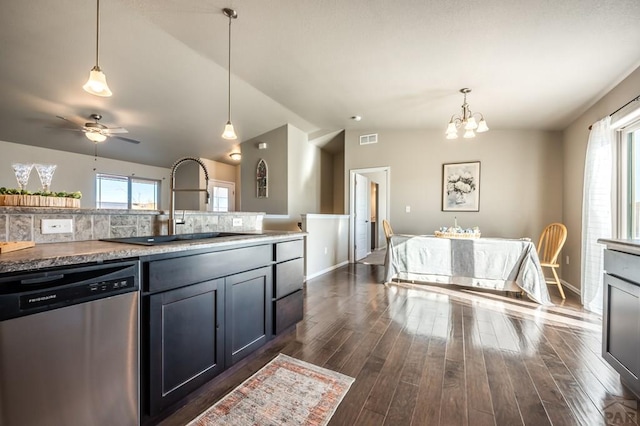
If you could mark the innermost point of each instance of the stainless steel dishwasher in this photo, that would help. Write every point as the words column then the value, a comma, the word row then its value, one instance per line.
column 69, row 351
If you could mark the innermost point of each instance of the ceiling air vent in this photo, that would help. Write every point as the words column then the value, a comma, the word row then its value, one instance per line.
column 368, row 139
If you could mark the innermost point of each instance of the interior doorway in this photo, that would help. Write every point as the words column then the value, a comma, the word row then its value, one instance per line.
column 362, row 212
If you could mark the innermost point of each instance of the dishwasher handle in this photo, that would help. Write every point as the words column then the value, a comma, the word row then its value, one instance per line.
column 42, row 279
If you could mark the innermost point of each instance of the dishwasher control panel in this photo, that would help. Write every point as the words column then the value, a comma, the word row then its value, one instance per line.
column 31, row 292
column 75, row 293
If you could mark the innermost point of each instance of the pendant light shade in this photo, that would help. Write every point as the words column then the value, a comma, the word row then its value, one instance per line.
column 97, row 83
column 229, row 131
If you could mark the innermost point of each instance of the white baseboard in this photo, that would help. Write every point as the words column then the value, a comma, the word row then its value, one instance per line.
column 329, row 269
column 570, row 287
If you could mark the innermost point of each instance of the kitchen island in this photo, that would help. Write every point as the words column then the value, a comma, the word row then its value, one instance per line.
column 205, row 304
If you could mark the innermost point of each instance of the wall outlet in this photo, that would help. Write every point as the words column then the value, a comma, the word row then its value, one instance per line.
column 407, row 209
column 567, row 260
column 56, row 226
column 237, row 221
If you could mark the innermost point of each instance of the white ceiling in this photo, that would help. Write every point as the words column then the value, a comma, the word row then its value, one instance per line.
column 312, row 63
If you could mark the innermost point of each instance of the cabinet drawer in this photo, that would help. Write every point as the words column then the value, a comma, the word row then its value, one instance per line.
column 289, row 250
column 289, row 277
column 288, row 311
column 623, row 265
column 166, row 274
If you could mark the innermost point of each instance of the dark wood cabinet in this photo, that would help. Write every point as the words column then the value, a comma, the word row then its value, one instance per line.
column 186, row 341
column 248, row 313
column 288, row 311
column 203, row 311
column 621, row 316
column 288, row 304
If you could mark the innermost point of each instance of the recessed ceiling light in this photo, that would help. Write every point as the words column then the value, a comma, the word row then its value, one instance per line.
column 356, row 118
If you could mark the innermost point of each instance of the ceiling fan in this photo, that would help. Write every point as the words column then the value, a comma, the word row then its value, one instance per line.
column 98, row 132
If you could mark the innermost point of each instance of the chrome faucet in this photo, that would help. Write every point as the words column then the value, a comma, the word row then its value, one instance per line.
column 172, row 202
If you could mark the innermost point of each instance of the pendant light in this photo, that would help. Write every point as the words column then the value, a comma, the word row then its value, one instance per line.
column 97, row 83
column 229, row 132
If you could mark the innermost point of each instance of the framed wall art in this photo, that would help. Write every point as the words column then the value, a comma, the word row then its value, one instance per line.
column 461, row 187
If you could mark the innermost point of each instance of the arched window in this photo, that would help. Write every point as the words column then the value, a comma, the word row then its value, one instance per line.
column 262, row 189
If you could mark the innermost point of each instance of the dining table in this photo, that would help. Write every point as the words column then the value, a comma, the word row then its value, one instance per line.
column 499, row 264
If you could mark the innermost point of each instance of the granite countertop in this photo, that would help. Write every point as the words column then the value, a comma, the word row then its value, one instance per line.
column 71, row 253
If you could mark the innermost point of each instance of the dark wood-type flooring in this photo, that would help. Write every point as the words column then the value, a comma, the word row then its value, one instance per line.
column 432, row 355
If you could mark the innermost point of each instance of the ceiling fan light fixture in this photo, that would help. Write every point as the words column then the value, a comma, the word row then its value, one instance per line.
column 95, row 137
column 97, row 83
column 229, row 132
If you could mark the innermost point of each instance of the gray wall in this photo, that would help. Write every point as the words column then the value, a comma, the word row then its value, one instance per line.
column 276, row 158
column 304, row 174
column 575, row 140
column 338, row 183
column 520, row 181
column 326, row 182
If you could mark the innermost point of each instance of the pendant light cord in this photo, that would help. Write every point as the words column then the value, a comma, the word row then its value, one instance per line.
column 229, row 77
column 97, row 32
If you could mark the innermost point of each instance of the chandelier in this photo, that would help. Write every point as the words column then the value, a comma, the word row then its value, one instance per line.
column 467, row 121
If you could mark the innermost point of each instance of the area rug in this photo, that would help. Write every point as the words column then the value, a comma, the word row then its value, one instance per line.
column 286, row 391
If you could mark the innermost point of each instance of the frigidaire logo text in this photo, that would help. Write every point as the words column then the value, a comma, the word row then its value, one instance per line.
column 40, row 299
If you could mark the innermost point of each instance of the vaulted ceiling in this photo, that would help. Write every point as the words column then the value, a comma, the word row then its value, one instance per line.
column 314, row 64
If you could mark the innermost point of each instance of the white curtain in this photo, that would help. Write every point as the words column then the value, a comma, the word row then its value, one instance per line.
column 596, row 211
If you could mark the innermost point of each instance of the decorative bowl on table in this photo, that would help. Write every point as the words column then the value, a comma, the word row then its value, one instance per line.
column 457, row 232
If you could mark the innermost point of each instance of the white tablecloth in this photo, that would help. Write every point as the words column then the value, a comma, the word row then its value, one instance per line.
column 492, row 263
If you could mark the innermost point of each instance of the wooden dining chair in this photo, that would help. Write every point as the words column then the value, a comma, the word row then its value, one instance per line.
column 551, row 241
column 388, row 232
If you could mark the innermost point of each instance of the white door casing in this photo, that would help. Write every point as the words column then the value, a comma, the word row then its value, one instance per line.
column 361, row 217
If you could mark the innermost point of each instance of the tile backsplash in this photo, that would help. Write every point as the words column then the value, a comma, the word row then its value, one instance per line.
column 24, row 223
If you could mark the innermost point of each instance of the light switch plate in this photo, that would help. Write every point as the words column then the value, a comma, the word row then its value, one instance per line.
column 237, row 221
column 56, row 226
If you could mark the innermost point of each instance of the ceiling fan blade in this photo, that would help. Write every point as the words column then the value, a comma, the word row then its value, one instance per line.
column 66, row 128
column 125, row 139
column 69, row 121
column 116, row 130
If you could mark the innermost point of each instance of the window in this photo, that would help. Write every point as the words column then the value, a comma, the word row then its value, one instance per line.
column 629, row 188
column 222, row 196
column 124, row 192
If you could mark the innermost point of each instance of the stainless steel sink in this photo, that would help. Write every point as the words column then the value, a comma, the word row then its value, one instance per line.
column 154, row 240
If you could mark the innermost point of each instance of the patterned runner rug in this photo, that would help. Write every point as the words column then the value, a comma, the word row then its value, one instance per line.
column 285, row 391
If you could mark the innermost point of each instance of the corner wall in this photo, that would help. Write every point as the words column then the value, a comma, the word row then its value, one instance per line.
column 575, row 139
column 276, row 158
